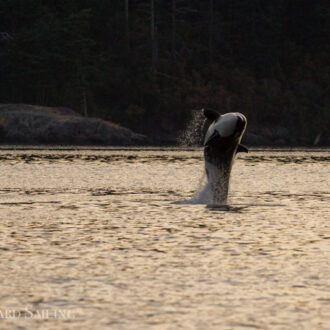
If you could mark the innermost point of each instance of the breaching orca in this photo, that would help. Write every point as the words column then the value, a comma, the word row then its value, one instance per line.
column 221, row 144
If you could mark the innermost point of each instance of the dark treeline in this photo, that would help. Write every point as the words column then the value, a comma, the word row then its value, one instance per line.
column 147, row 63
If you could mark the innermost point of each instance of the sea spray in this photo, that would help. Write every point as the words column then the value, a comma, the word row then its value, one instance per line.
column 194, row 132
column 192, row 136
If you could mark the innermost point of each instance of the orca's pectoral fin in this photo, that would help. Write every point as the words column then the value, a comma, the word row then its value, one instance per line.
column 242, row 148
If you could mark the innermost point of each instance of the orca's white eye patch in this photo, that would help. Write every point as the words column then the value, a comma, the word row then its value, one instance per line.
column 226, row 124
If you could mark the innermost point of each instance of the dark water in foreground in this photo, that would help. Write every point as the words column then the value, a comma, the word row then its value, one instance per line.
column 94, row 234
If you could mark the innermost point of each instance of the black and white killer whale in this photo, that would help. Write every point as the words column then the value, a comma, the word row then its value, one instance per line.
column 221, row 144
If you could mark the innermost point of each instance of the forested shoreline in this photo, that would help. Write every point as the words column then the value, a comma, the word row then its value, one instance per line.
column 148, row 64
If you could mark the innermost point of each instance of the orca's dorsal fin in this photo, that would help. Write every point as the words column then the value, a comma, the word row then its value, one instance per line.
column 242, row 148
column 211, row 114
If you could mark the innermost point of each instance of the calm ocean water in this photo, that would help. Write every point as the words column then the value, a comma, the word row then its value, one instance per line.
column 91, row 239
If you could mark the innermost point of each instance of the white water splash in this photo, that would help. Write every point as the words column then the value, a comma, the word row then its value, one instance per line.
column 201, row 196
column 214, row 190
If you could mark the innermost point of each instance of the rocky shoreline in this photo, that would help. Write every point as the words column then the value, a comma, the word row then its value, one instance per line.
column 280, row 137
column 29, row 124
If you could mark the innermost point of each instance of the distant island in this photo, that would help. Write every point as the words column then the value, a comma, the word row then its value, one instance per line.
column 34, row 124
column 30, row 124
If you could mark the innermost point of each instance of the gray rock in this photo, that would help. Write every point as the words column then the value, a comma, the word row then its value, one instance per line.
column 282, row 133
column 34, row 124
column 66, row 111
column 280, row 142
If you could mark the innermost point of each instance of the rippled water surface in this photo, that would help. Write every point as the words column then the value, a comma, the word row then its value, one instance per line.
column 95, row 233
